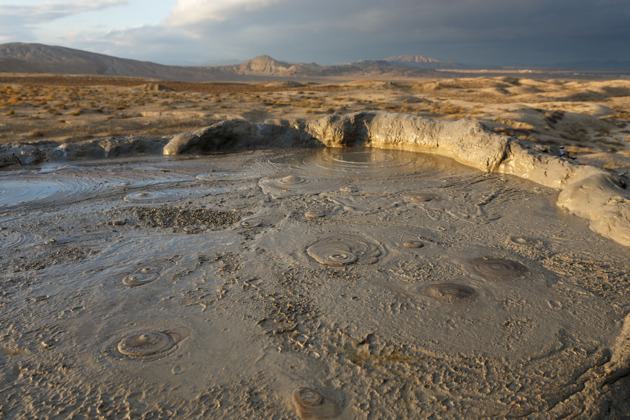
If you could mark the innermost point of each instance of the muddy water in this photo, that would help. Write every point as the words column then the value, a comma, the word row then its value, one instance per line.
column 275, row 284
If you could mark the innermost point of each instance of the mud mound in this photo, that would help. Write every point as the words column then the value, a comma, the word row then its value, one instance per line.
column 467, row 142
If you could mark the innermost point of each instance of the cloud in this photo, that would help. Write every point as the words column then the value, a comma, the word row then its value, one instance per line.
column 192, row 12
column 20, row 14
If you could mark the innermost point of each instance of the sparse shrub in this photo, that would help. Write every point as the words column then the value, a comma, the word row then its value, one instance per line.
column 36, row 133
column 611, row 165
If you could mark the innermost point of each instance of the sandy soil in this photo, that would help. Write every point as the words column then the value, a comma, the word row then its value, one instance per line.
column 307, row 284
column 588, row 118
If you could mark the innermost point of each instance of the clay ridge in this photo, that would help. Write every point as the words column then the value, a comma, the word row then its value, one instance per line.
column 586, row 191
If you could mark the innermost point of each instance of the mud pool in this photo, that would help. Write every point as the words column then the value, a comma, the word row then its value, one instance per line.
column 281, row 284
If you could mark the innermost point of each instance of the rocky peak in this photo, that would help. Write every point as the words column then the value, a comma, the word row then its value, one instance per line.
column 264, row 64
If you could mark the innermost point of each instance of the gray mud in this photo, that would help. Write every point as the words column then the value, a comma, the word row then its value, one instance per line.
column 590, row 192
column 391, row 285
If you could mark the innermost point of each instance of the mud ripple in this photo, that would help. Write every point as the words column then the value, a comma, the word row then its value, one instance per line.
column 225, row 176
column 297, row 184
column 31, row 192
column 146, row 344
column 367, row 159
column 147, row 273
column 166, row 196
column 310, row 404
column 340, row 250
column 361, row 162
column 364, row 203
column 16, row 239
column 449, row 292
column 497, row 268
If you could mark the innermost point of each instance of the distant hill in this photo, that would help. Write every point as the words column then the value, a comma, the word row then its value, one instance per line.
column 422, row 61
column 39, row 58
column 610, row 65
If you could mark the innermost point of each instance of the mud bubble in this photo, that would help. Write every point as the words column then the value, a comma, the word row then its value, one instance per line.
column 523, row 240
column 449, row 292
column 310, row 404
column 423, row 198
column 297, row 184
column 287, row 183
column 146, row 344
column 147, row 274
column 413, row 244
column 315, row 214
column 251, row 223
column 340, row 250
column 497, row 268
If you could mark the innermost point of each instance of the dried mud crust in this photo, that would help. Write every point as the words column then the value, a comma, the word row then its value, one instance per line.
column 179, row 218
column 379, row 377
column 42, row 256
column 264, row 319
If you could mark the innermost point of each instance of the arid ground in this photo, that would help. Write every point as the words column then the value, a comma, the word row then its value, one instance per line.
column 588, row 118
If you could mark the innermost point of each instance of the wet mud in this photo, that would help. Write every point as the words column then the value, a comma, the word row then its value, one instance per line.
column 348, row 283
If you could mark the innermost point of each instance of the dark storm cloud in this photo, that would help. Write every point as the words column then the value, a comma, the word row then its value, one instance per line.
column 495, row 32
column 480, row 31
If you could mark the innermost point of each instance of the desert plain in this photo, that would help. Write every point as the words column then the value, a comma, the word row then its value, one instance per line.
column 312, row 282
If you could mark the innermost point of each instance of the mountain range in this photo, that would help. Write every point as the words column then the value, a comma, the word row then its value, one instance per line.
column 39, row 58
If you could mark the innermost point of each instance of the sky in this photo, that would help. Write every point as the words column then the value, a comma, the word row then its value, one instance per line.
column 202, row 32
